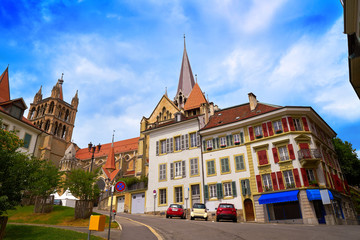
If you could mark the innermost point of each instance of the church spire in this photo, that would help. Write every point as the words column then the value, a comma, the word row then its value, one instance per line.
column 4, row 86
column 110, row 162
column 186, row 80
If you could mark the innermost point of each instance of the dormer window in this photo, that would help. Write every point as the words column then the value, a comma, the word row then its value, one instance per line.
column 16, row 112
column 178, row 117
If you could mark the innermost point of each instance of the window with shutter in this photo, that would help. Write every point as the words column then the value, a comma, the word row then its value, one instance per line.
column 275, row 184
column 291, row 124
column 280, row 180
column 239, row 163
column 223, row 142
column 157, row 148
column 242, row 137
column 225, row 165
column 262, row 157
column 193, row 138
column 162, row 172
column 219, row 190
column 269, row 125
column 233, row 188
column 284, row 124
column 206, row 192
column 168, row 145
column 163, row 146
column 171, row 170
column 304, row 177
column 259, row 183
column 183, row 169
column 248, row 189
column 177, row 143
column 27, row 139
column 291, row 151
column 227, row 189
column 251, row 133
column 306, row 126
column 198, row 139
column 171, row 145
column 264, row 128
column 187, row 141
column 297, row 177
column 182, row 142
column 210, row 164
column 194, row 167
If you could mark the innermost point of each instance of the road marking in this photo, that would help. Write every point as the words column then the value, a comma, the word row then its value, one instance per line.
column 150, row 228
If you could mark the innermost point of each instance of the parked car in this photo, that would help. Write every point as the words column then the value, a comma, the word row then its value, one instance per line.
column 57, row 202
column 199, row 211
column 175, row 210
column 226, row 211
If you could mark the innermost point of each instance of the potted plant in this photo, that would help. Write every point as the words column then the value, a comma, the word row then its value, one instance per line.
column 313, row 183
column 277, row 131
column 268, row 189
column 290, row 185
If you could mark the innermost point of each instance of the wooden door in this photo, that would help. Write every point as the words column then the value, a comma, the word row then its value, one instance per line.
column 249, row 210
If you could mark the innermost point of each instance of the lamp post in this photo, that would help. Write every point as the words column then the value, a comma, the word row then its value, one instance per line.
column 92, row 149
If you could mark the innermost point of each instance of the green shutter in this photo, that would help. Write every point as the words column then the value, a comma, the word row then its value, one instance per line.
column 243, row 187
column 219, row 190
column 217, row 142
column 204, row 145
column 231, row 140
column 234, row 188
column 247, row 182
column 241, row 137
column 214, row 143
column 27, row 140
column 206, row 192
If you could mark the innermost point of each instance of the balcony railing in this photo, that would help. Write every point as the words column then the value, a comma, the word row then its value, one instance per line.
column 309, row 154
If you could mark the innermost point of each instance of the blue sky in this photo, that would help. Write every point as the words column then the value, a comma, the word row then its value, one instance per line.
column 121, row 55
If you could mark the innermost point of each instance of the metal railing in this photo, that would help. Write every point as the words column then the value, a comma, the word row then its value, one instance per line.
column 309, row 153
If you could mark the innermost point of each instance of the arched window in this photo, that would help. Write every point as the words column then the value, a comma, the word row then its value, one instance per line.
column 63, row 132
column 67, row 115
column 47, row 125
column 37, row 111
column 59, row 130
column 32, row 113
column 51, row 107
column 56, row 129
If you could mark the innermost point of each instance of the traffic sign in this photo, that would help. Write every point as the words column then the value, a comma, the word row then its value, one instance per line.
column 120, row 186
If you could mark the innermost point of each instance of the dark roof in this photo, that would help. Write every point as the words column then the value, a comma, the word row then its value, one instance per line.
column 238, row 113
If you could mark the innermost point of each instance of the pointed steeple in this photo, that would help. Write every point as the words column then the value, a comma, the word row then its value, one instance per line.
column 110, row 162
column 5, row 86
column 75, row 100
column 38, row 96
column 186, row 80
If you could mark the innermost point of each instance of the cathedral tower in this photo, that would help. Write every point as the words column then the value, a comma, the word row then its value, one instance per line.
column 56, row 117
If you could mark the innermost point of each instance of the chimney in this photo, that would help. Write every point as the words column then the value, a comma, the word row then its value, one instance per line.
column 252, row 101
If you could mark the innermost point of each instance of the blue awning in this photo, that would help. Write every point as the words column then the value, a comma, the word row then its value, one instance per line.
column 314, row 194
column 289, row 196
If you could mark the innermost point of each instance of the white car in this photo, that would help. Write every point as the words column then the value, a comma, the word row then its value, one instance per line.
column 199, row 211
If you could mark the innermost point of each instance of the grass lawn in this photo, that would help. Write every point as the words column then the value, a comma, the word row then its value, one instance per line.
column 59, row 216
column 35, row 232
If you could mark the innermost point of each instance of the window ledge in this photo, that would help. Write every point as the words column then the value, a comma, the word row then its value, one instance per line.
column 285, row 162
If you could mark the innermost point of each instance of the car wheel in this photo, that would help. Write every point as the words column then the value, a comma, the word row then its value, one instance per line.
column 235, row 220
column 167, row 216
column 206, row 219
column 217, row 219
column 170, row 216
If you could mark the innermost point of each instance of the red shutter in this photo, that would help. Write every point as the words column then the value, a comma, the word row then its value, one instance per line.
column 269, row 125
column 304, row 176
column 284, row 123
column 291, row 151
column 347, row 186
column 259, row 183
column 264, row 129
column 297, row 177
column 262, row 157
column 251, row 132
column 265, row 157
column 326, row 180
column 306, row 126
column 305, row 150
column 275, row 153
column 331, row 181
column 280, row 179
column 275, row 184
column 291, row 124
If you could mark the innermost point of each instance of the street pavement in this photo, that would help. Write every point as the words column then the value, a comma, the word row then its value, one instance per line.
column 178, row 229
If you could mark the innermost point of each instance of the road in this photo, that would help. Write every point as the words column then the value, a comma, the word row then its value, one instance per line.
column 178, row 229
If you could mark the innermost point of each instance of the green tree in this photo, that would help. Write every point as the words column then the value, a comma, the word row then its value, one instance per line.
column 45, row 179
column 15, row 169
column 82, row 185
column 349, row 162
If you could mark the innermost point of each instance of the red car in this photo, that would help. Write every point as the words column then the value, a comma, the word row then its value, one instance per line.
column 226, row 211
column 175, row 210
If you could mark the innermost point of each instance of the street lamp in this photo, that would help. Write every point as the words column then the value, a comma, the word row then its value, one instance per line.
column 92, row 149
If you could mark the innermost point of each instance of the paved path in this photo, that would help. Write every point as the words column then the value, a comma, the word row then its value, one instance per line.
column 131, row 229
